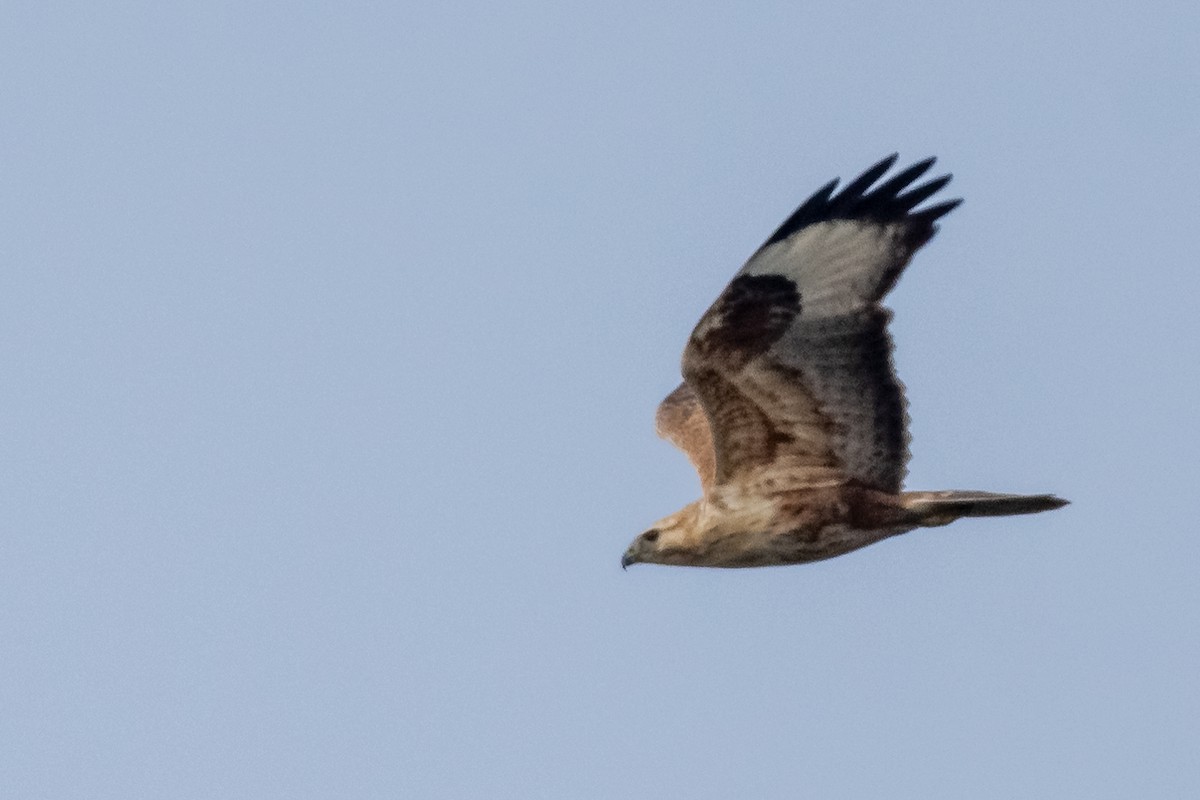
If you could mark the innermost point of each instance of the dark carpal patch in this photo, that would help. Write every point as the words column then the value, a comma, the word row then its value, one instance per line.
column 753, row 313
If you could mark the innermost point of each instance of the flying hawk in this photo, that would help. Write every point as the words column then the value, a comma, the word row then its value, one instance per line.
column 790, row 409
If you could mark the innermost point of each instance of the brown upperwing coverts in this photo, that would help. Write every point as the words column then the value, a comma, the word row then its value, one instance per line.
column 790, row 409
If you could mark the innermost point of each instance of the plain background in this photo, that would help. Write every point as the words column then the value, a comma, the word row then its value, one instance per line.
column 331, row 336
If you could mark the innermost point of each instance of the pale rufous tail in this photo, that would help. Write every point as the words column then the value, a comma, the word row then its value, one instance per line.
column 929, row 509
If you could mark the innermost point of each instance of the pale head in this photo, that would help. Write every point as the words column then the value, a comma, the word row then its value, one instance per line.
column 669, row 541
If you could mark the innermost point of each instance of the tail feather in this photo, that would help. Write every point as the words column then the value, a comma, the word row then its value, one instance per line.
column 940, row 508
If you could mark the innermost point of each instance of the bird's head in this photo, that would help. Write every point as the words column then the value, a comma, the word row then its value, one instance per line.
column 667, row 542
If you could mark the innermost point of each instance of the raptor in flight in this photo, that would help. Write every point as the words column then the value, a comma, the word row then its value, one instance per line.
column 790, row 409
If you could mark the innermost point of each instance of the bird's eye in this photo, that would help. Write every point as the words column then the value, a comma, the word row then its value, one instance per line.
column 651, row 535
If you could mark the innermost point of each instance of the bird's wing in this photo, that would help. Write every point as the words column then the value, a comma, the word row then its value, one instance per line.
column 792, row 363
column 681, row 421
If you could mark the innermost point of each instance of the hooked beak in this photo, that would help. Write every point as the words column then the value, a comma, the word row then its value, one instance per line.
column 626, row 560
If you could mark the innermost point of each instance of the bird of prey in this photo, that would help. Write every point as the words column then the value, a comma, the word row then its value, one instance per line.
column 790, row 409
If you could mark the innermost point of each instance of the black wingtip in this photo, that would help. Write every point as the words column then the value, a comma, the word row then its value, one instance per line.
column 889, row 160
column 914, row 197
column 934, row 213
column 891, row 201
column 863, row 182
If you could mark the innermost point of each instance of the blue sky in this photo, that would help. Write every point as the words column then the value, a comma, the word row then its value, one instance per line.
column 332, row 336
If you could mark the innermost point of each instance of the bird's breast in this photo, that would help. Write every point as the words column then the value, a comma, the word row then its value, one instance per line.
column 788, row 527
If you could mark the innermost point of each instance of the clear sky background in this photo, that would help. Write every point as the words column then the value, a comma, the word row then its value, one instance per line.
column 331, row 336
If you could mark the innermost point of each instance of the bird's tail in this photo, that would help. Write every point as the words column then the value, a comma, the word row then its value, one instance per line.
column 930, row 509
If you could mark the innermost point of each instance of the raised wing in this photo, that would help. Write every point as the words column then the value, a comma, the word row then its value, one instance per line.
column 681, row 421
column 792, row 363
